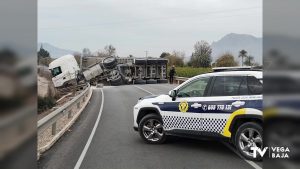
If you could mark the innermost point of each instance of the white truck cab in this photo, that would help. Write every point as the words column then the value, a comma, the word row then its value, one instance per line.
column 64, row 70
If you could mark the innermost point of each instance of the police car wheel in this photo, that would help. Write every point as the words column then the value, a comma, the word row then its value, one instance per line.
column 151, row 129
column 249, row 135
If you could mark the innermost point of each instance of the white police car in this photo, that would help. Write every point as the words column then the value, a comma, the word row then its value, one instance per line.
column 219, row 105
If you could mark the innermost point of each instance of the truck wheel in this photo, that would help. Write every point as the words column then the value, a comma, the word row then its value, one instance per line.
column 117, row 81
column 151, row 81
column 139, row 81
column 249, row 135
column 110, row 62
column 151, row 129
column 162, row 81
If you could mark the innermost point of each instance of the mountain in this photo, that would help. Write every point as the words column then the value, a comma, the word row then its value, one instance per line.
column 54, row 51
column 234, row 43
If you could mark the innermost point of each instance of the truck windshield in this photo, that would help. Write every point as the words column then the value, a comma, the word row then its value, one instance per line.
column 56, row 71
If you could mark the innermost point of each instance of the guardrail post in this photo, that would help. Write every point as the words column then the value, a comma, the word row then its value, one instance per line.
column 78, row 105
column 54, row 128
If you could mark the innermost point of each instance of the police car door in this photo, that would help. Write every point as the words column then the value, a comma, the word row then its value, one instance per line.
column 228, row 96
column 184, row 114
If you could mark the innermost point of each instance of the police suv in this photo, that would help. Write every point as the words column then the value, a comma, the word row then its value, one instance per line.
column 221, row 104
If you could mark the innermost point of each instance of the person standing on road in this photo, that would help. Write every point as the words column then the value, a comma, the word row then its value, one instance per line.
column 172, row 73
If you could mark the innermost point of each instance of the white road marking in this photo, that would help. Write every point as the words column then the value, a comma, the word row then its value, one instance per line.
column 144, row 90
column 87, row 145
column 253, row 164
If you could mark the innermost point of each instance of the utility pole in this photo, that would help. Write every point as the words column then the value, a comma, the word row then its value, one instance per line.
column 146, row 54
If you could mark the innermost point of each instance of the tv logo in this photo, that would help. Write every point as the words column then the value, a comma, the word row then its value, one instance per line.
column 260, row 152
column 274, row 152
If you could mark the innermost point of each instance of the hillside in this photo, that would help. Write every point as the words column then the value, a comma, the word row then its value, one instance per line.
column 233, row 43
column 54, row 51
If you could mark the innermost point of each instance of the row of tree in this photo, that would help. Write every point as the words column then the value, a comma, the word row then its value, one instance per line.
column 201, row 57
column 109, row 50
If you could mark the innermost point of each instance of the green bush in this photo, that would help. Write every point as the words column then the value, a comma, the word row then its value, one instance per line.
column 190, row 71
column 45, row 103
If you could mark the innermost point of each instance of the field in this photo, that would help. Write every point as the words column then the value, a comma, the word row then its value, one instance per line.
column 190, row 71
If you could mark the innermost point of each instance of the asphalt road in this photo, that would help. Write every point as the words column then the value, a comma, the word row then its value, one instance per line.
column 115, row 145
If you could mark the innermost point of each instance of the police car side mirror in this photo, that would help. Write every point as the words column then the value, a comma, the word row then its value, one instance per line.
column 173, row 94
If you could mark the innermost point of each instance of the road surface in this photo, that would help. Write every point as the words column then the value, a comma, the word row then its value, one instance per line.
column 115, row 145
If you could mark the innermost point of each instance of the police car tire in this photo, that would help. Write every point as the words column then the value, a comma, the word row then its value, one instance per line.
column 141, row 124
column 110, row 62
column 239, row 131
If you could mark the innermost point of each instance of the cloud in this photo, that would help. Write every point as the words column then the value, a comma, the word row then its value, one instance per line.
column 134, row 26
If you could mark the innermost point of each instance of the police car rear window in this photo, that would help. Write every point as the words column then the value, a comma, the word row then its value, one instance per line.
column 229, row 86
column 254, row 85
column 236, row 85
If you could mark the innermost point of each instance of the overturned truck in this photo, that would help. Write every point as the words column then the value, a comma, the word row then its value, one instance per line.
column 119, row 71
column 110, row 71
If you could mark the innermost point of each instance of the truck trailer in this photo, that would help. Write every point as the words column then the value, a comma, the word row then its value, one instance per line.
column 109, row 70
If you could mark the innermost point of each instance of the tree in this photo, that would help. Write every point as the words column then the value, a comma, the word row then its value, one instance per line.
column 164, row 55
column 249, row 61
column 101, row 54
column 201, row 56
column 110, row 50
column 44, row 57
column 243, row 54
column 42, row 53
column 176, row 58
column 226, row 60
column 86, row 52
column 131, row 56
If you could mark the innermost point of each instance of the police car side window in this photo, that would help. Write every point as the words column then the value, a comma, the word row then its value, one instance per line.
column 243, row 90
column 254, row 85
column 229, row 86
column 194, row 89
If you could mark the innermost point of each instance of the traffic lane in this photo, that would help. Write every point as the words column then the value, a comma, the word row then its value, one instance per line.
column 66, row 151
column 157, row 89
column 116, row 145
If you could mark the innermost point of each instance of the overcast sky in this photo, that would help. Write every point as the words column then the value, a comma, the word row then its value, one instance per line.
column 134, row 26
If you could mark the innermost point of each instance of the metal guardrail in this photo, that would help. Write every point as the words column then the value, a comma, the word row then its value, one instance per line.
column 180, row 80
column 67, row 111
column 50, row 119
